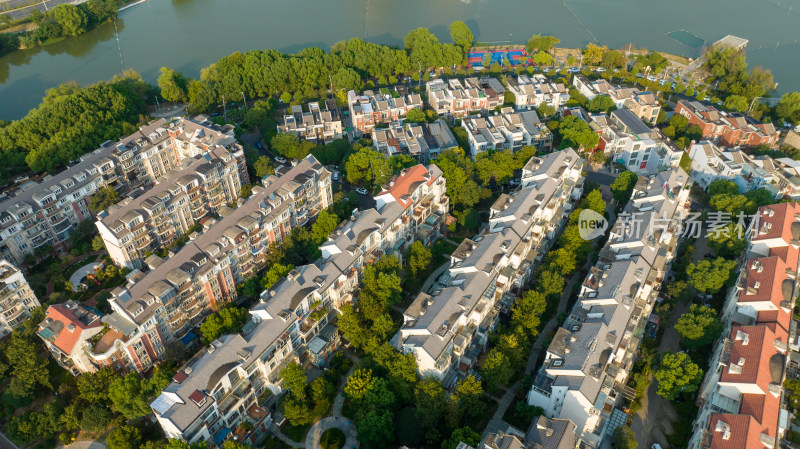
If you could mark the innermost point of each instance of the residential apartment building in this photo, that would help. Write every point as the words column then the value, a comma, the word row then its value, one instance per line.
column 158, row 306
column 508, row 130
column 780, row 177
column 223, row 385
column 371, row 108
column 447, row 328
column 741, row 397
column 643, row 104
column 44, row 211
column 590, row 358
column 317, row 125
column 424, row 142
column 530, row 91
column 150, row 219
column 727, row 129
column 458, row 98
column 16, row 298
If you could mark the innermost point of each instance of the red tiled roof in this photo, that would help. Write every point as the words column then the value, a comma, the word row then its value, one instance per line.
column 66, row 339
column 403, row 184
column 743, row 432
column 197, row 396
column 752, row 358
column 764, row 281
column 180, row 376
column 783, row 215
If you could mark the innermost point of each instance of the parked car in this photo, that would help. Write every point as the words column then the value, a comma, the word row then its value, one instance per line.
column 335, row 176
column 362, row 191
column 651, row 78
column 639, row 75
column 259, row 146
column 600, row 69
column 280, row 159
column 662, row 82
column 574, row 70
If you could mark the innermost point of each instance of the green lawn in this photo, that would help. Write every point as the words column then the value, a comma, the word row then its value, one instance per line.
column 332, row 439
column 296, row 433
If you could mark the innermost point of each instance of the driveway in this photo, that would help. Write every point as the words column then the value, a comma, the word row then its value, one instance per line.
column 654, row 421
column 345, row 425
column 601, row 176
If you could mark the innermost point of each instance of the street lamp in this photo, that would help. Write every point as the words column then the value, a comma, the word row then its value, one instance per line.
column 244, row 99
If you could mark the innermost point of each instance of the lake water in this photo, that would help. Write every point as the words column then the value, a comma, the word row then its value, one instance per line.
column 190, row 34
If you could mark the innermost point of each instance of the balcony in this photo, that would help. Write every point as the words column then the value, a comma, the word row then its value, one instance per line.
column 233, row 396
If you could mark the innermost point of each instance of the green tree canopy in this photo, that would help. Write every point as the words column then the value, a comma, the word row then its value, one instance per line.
column 415, row 116
column 541, row 43
column 73, row 20
column 419, row 258
column 173, row 85
column 125, row 437
column 710, row 275
column 699, row 326
column 577, row 134
column 622, row 187
column 677, row 374
column 228, row 320
column 461, row 35
column 104, row 197
column 368, row 168
column 601, row 103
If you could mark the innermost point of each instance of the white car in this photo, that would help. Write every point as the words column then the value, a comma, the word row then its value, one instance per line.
column 574, row 70
column 362, row 191
column 335, row 176
column 280, row 159
column 651, row 78
column 600, row 69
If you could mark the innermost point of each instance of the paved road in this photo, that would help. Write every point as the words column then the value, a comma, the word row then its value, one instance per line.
column 604, row 179
column 5, row 443
column 344, row 424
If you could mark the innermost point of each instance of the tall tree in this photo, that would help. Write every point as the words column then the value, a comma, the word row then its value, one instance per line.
column 699, row 326
column 461, row 35
column 173, row 85
column 677, row 374
column 73, row 20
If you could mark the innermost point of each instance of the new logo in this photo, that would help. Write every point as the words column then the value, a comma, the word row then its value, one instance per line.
column 591, row 224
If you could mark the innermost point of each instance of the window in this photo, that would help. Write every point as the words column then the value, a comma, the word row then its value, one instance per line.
column 557, row 362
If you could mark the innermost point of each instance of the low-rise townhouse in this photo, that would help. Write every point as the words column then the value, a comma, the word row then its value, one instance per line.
column 447, row 328
column 316, row 124
column 223, row 385
column 508, row 130
column 630, row 142
column 424, row 142
column 591, row 356
column 458, row 98
column 727, row 129
column 81, row 340
column 65, row 330
column 150, row 219
column 644, row 104
column 44, row 211
column 740, row 400
column 543, row 433
column 371, row 108
column 710, row 163
column 16, row 298
column 531, row 91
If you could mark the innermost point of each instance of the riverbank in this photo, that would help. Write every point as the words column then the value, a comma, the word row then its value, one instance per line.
column 260, row 24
